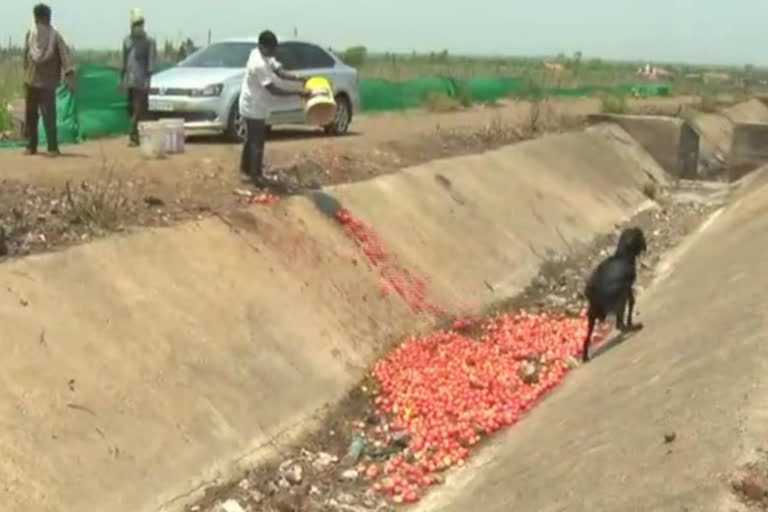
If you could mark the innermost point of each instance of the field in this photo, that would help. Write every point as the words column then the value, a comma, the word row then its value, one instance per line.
column 555, row 72
column 456, row 235
column 10, row 88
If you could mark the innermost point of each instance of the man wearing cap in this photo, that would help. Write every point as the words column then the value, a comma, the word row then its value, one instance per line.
column 139, row 55
column 46, row 59
column 255, row 98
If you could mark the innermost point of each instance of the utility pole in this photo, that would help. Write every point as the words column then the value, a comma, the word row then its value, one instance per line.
column 209, row 36
column 295, row 32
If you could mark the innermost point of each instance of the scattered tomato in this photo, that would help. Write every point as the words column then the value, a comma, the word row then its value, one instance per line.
column 264, row 198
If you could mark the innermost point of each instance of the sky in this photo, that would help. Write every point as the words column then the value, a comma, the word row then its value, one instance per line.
column 695, row 31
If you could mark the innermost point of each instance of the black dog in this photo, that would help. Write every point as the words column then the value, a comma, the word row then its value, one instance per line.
column 609, row 288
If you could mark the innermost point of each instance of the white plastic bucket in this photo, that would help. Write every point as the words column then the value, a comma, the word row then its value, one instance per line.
column 152, row 139
column 174, row 134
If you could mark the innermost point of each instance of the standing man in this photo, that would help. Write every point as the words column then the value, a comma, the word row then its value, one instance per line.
column 139, row 55
column 46, row 59
column 255, row 98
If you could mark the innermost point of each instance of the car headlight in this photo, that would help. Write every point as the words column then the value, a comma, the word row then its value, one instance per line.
column 210, row 90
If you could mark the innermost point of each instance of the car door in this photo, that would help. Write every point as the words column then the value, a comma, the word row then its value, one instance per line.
column 305, row 60
column 283, row 108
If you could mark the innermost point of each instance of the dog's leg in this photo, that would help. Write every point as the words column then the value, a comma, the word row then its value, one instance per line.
column 631, row 306
column 620, row 308
column 591, row 319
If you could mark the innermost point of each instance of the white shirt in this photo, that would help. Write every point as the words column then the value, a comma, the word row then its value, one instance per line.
column 276, row 64
column 254, row 97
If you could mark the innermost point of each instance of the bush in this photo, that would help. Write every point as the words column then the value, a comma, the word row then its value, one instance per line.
column 613, row 104
column 6, row 123
column 10, row 89
column 355, row 56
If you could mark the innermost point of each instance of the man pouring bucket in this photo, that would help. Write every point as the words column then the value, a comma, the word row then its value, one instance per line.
column 255, row 99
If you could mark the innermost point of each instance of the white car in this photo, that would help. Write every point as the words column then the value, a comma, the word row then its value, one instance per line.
column 204, row 88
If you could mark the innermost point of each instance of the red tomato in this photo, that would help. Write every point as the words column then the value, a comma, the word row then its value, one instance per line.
column 388, row 485
column 372, row 472
column 411, row 496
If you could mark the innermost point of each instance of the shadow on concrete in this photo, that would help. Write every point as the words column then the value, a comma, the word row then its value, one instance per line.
column 284, row 134
column 326, row 203
column 612, row 343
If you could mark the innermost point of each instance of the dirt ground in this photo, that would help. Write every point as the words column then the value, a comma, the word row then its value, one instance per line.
column 318, row 474
column 103, row 186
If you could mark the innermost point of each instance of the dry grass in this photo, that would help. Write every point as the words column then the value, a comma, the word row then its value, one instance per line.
column 98, row 208
column 38, row 218
column 404, row 67
column 441, row 102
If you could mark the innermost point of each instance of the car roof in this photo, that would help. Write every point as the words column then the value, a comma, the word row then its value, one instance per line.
column 255, row 39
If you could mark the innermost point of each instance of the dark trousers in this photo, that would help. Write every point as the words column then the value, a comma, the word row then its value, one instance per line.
column 252, row 158
column 39, row 100
column 138, row 107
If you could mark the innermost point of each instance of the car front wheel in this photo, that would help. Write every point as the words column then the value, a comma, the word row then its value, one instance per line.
column 343, row 117
column 236, row 126
column 236, row 129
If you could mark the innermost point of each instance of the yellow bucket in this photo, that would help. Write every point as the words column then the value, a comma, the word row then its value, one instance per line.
column 320, row 107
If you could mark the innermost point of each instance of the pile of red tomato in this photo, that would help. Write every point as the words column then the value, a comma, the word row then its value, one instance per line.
column 447, row 391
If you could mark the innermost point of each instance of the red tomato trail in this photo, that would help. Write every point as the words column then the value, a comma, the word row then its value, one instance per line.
column 412, row 289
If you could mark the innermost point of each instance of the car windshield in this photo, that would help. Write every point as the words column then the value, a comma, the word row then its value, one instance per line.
column 220, row 55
